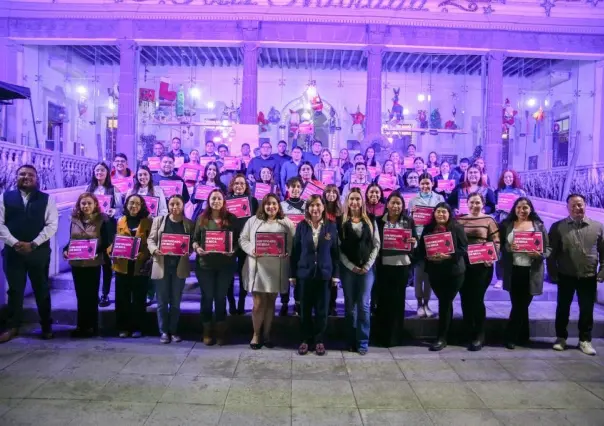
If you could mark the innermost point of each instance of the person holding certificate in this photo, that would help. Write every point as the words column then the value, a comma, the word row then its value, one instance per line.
column 473, row 182
column 100, row 184
column 447, row 175
column 239, row 188
column 267, row 240
column 389, row 179
column 89, row 237
column 143, row 185
column 130, row 263
column 266, row 183
column 211, row 179
column 326, row 172
column 443, row 245
column 374, row 202
column 333, row 210
column 426, row 198
column 523, row 269
column 214, row 240
column 359, row 247
column 393, row 265
column 483, row 234
column 314, row 264
column 169, row 245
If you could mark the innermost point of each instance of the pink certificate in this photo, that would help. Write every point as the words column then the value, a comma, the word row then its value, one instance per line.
column 154, row 163
column 104, row 202
column 373, row 172
column 175, row 244
column 328, row 176
column 190, row 172
column 178, row 162
column 408, row 196
column 270, row 243
column 311, row 189
column 396, row 239
column 296, row 218
column 447, row 185
column 123, row 184
column 239, row 206
column 202, row 192
column 218, row 241
column 171, row 187
column 152, row 204
column 433, row 171
column 126, row 247
column 463, row 207
column 482, row 252
column 232, row 163
column 261, row 190
column 82, row 249
column 422, row 215
column 441, row 243
column 506, row 201
column 408, row 162
column 387, row 181
column 528, row 241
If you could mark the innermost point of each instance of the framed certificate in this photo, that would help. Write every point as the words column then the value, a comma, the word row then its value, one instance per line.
column 104, row 202
column 441, row 243
column 152, row 204
column 232, row 163
column 328, row 176
column 395, row 239
column 311, row 189
column 217, row 241
column 463, row 207
column 202, row 192
column 178, row 162
column 190, row 172
column 422, row 215
column 408, row 196
column 482, row 252
column 447, row 185
column 123, row 184
column 386, row 181
column 82, row 249
column 175, row 244
column 296, row 218
column 506, row 201
column 528, row 241
column 171, row 187
column 433, row 171
column 362, row 188
column 240, row 206
column 261, row 190
column 408, row 162
column 271, row 243
column 154, row 163
column 126, row 247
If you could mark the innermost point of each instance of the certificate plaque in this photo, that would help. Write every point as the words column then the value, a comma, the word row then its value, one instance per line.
column 422, row 215
column 528, row 241
column 217, row 241
column 396, row 239
column 154, row 163
column 104, row 202
column 447, row 185
column 152, row 204
column 296, row 218
column 126, row 247
column 433, row 171
column 123, row 184
column 441, row 243
column 505, row 201
column 270, row 243
column 261, row 190
column 171, row 187
column 482, row 252
column 328, row 176
column 387, row 181
column 311, row 189
column 202, row 192
column 175, row 244
column 82, row 249
column 463, row 207
column 239, row 206
column 232, row 163
column 190, row 172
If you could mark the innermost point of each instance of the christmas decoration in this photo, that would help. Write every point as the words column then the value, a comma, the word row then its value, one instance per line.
column 145, row 95
column 316, row 103
column 422, row 119
column 396, row 115
column 231, row 113
column 180, row 101
column 262, row 122
column 450, row 124
column 358, row 120
column 539, row 116
column 509, row 114
column 114, row 92
column 435, row 120
column 82, row 106
column 332, row 121
column 274, row 116
column 165, row 95
column 294, row 123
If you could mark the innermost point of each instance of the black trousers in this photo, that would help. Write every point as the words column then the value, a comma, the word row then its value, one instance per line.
column 333, row 296
column 87, row 281
column 518, row 330
column 130, row 301
column 285, row 296
column 107, row 275
column 314, row 296
column 446, row 288
column 391, row 286
column 231, row 291
column 586, row 289
column 476, row 282
column 17, row 268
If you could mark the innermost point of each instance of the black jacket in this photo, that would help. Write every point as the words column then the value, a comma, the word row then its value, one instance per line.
column 324, row 260
column 407, row 223
column 456, row 265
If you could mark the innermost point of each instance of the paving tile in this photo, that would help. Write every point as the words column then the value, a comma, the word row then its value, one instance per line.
column 579, row 370
column 255, row 415
column 525, row 417
column 19, row 385
column 184, row 415
column 436, row 370
column 510, row 394
column 154, row 364
column 9, row 357
column 70, row 385
column 597, row 388
column 263, row 367
column 135, row 388
column 385, row 394
column 373, row 417
column 531, row 369
column 315, row 368
column 209, row 365
column 413, row 352
column 113, row 413
column 446, row 395
column 197, row 390
column 325, row 394
column 462, row 352
column 479, row 369
column 7, row 404
column 373, row 369
column 463, row 418
column 42, row 362
column 98, row 362
column 325, row 416
column 565, row 395
column 53, row 412
column 260, row 392
column 583, row 417
column 374, row 352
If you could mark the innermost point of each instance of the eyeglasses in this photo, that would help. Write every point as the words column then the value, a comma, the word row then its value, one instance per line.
column 119, row 161
column 134, row 203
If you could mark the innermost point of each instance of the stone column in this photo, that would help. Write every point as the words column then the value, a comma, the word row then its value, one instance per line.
column 10, row 69
column 127, row 103
column 249, row 85
column 494, row 104
column 373, row 114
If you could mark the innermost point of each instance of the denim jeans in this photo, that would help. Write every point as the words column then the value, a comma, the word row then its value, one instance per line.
column 169, row 293
column 214, row 284
column 357, row 297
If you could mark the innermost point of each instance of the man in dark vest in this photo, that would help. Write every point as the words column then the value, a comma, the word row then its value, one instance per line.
column 28, row 219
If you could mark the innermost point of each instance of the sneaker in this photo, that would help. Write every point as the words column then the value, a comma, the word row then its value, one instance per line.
column 560, row 344
column 421, row 312
column 428, row 311
column 123, row 334
column 137, row 334
column 587, row 348
column 176, row 338
column 104, row 301
column 297, row 309
column 498, row 285
column 164, row 338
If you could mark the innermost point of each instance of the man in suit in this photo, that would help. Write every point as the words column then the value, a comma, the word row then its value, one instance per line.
column 28, row 220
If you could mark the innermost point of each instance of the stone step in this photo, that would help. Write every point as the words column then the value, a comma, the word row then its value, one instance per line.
column 542, row 314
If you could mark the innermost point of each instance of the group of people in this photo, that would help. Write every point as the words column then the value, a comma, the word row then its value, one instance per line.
column 338, row 235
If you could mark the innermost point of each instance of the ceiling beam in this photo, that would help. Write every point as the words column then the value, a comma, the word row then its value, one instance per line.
column 278, row 57
column 390, row 66
column 285, row 56
column 333, row 59
column 112, row 52
column 234, row 60
column 415, row 57
column 267, row 56
column 205, row 55
column 82, row 52
column 475, row 65
column 342, row 58
column 403, row 62
column 195, row 59
column 325, row 59
column 352, row 55
column 296, row 57
column 522, row 65
column 360, row 63
column 306, row 58
column 419, row 65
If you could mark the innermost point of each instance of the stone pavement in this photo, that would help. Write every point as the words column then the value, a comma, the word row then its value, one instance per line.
column 110, row 381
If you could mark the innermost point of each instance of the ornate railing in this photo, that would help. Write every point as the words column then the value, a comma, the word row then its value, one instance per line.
column 55, row 170
column 586, row 180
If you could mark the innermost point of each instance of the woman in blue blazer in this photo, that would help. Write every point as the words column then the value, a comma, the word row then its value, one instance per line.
column 315, row 268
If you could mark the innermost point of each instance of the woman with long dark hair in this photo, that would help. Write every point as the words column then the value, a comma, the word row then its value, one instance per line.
column 315, row 268
column 393, row 269
column 473, row 182
column 479, row 162
column 333, row 210
column 432, row 160
column 132, row 275
column 370, row 160
column 88, row 223
column 325, row 163
column 100, row 184
column 374, row 201
column 480, row 228
column 359, row 247
column 446, row 271
column 215, row 271
column 307, row 174
column 344, row 160
column 211, row 178
column 523, row 272
column 239, row 188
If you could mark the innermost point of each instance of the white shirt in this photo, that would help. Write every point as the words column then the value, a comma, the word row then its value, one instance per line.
column 51, row 222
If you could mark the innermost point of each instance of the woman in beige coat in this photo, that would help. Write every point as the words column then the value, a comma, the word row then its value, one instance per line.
column 169, row 272
column 265, row 276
